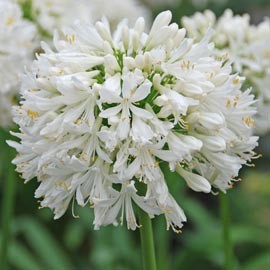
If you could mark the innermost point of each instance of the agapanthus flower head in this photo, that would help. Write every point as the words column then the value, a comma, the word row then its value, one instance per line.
column 247, row 47
column 17, row 44
column 102, row 111
column 50, row 15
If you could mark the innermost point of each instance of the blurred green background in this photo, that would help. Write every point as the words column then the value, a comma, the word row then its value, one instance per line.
column 39, row 243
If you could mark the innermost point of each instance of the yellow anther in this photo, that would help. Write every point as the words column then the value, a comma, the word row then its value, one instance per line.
column 228, row 104
column 9, row 21
column 78, row 121
column 70, row 39
column 221, row 57
column 267, row 53
column 32, row 90
column 121, row 221
column 248, row 121
column 230, row 186
column 49, row 3
column 187, row 65
column 32, row 114
column 236, row 80
column 177, row 231
column 91, row 204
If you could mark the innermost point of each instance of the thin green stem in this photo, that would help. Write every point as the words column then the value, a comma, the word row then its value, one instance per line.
column 7, row 209
column 147, row 242
column 227, row 244
column 163, row 239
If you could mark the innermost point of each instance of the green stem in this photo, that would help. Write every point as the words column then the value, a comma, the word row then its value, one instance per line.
column 227, row 244
column 147, row 242
column 7, row 209
column 163, row 238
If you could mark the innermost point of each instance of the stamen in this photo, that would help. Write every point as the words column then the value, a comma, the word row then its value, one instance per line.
column 9, row 21
column 32, row 114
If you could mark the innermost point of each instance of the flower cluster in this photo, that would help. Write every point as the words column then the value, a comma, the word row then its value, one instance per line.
column 247, row 46
column 101, row 112
column 17, row 44
column 50, row 15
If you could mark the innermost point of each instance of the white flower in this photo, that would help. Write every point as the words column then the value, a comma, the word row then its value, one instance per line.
column 17, row 44
column 134, row 89
column 107, row 210
column 116, row 10
column 247, row 46
column 101, row 112
column 49, row 15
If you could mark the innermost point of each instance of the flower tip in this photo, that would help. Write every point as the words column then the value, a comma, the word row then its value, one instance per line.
column 166, row 13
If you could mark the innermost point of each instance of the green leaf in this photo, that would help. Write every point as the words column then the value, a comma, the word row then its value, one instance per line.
column 249, row 234
column 198, row 214
column 21, row 258
column 45, row 246
column 74, row 234
column 261, row 262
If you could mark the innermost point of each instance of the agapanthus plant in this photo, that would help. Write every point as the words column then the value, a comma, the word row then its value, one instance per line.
column 17, row 45
column 101, row 111
column 246, row 46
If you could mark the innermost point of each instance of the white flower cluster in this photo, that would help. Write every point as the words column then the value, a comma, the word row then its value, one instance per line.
column 247, row 46
column 17, row 44
column 50, row 15
column 102, row 111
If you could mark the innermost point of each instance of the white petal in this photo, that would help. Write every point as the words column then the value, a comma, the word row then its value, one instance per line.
column 141, row 112
column 163, row 19
column 126, row 88
column 111, row 112
column 113, row 84
column 79, row 196
column 123, row 129
column 194, row 181
column 108, row 96
column 141, row 92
